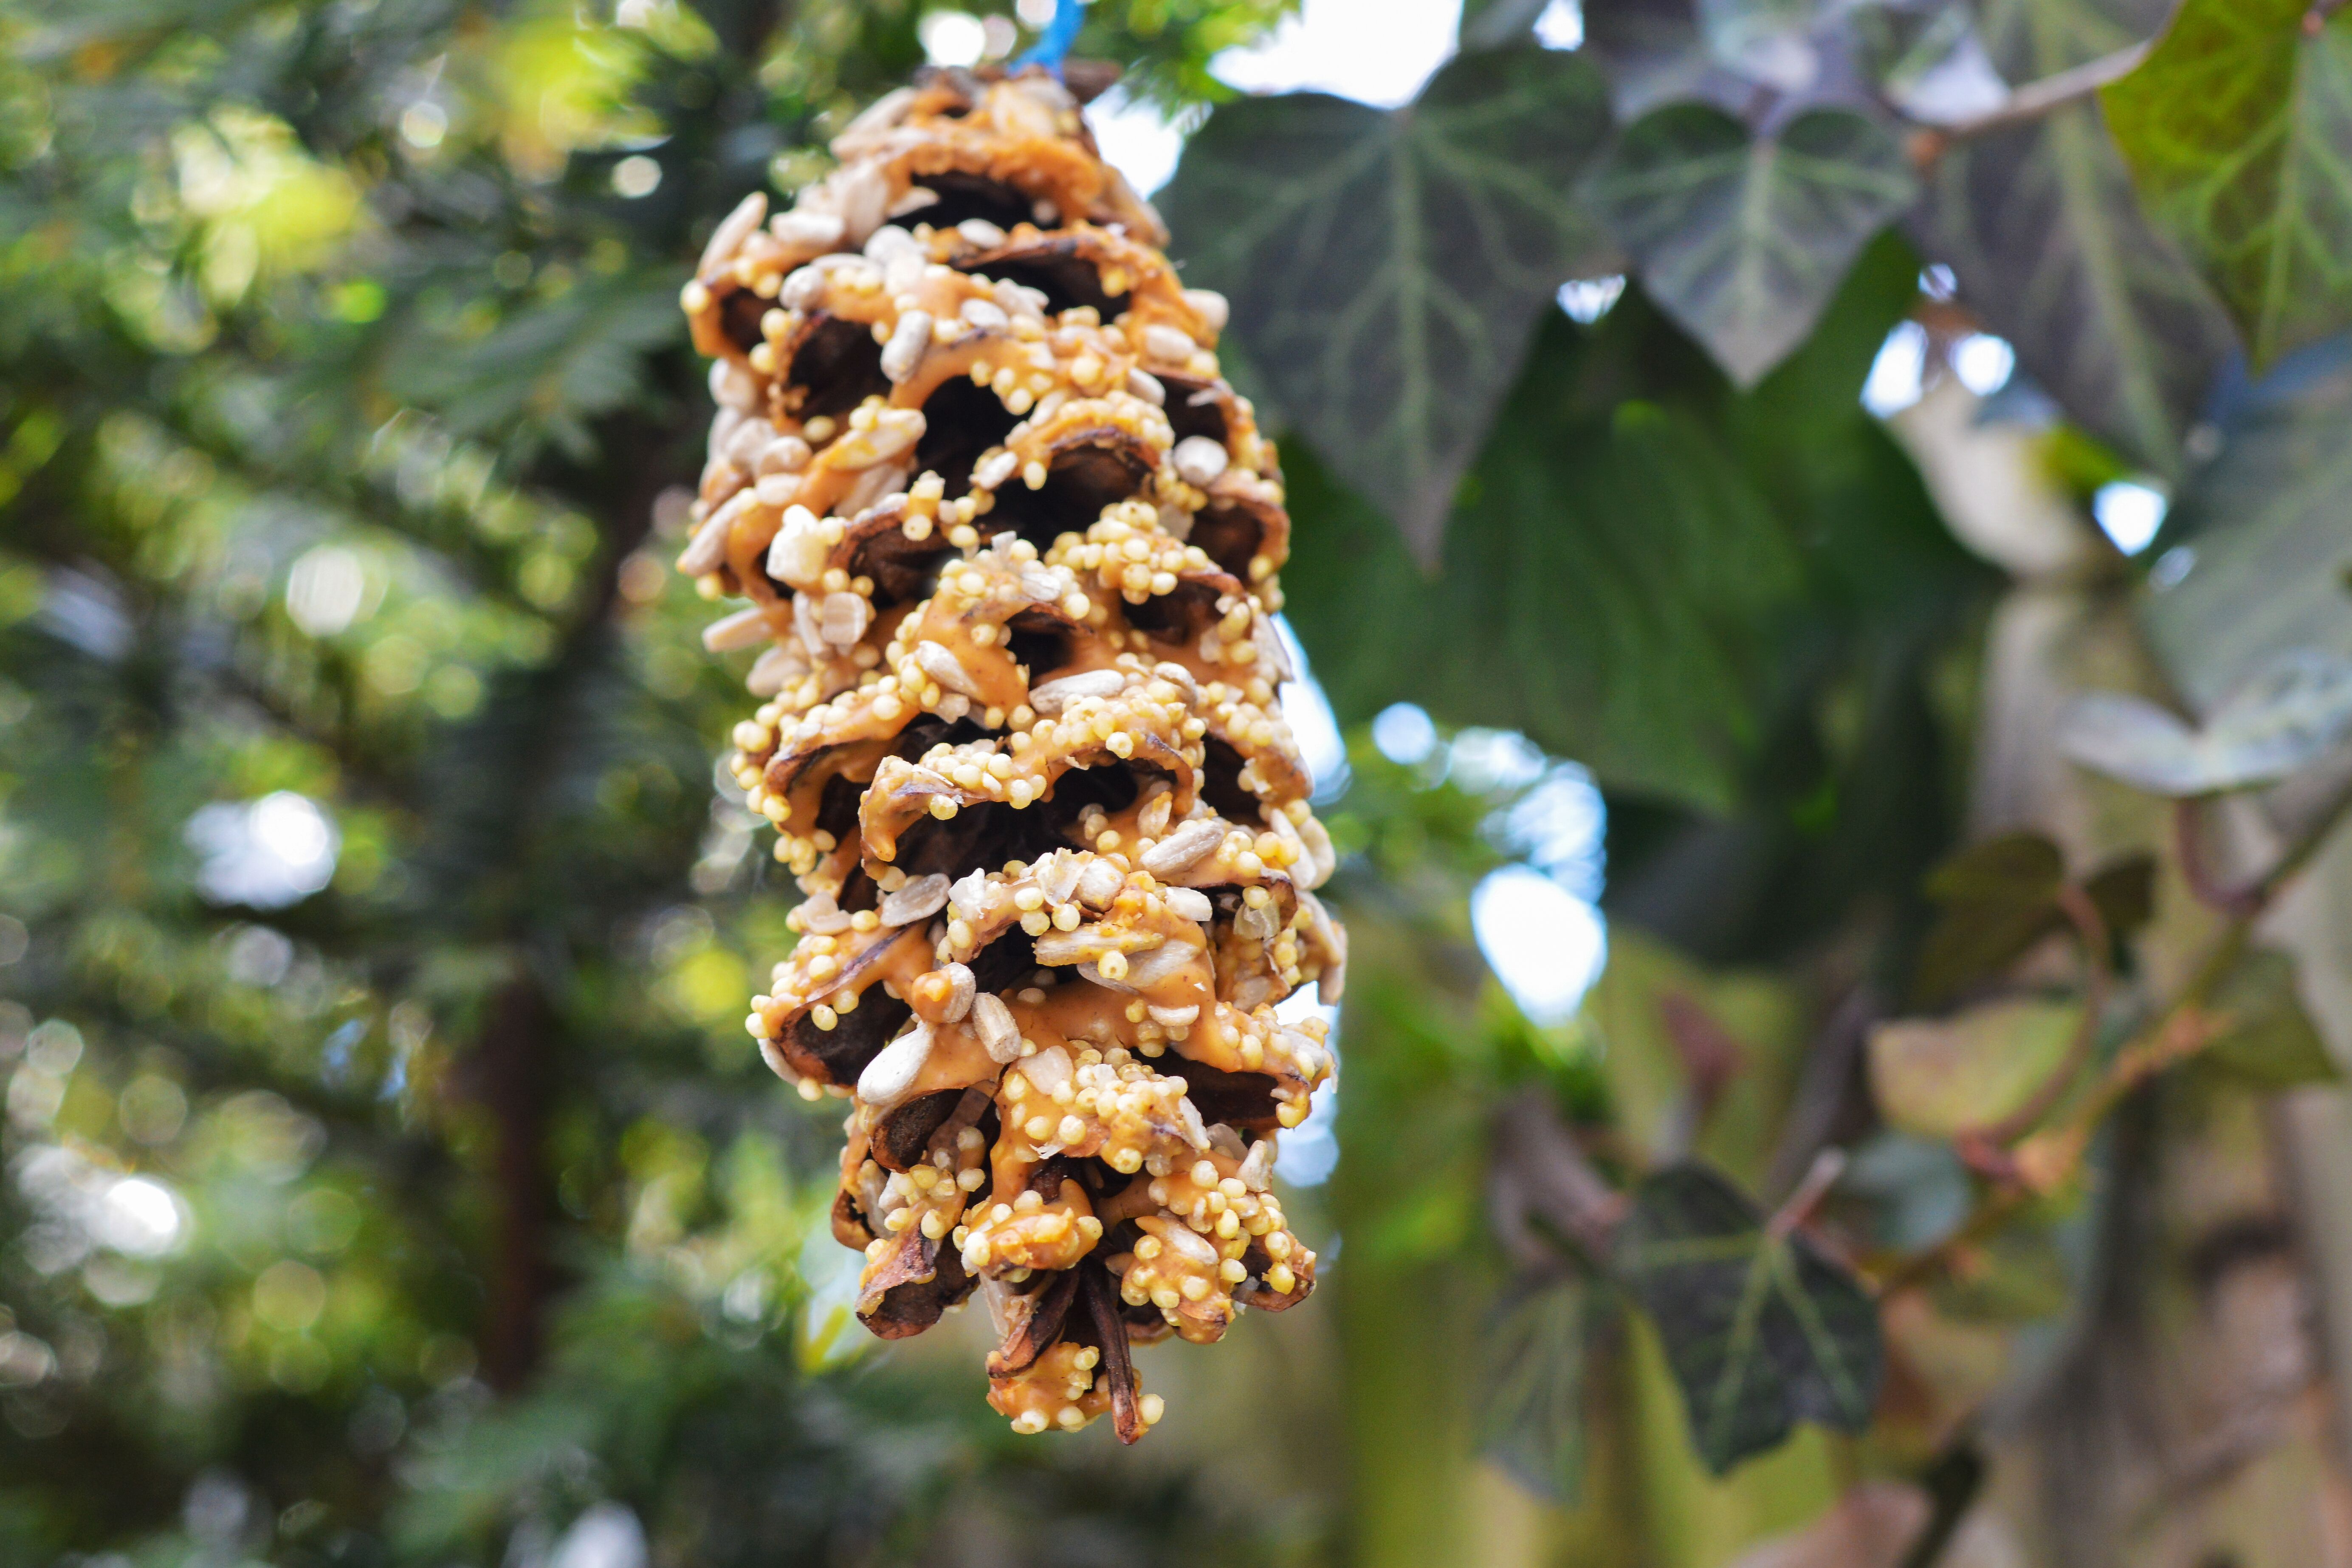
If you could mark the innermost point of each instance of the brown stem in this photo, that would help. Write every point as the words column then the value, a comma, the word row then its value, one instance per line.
column 2196, row 867
column 1828, row 1167
column 2034, row 101
column 2091, row 929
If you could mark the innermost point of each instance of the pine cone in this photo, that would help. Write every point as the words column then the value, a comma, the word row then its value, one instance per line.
column 1009, row 542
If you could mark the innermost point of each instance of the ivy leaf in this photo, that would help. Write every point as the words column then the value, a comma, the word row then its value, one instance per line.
column 2239, row 129
column 2000, row 896
column 1762, row 1332
column 1532, row 1421
column 2042, row 229
column 2287, row 717
column 1607, row 588
column 2259, row 550
column 2272, row 1042
column 1744, row 239
column 1655, row 54
column 1385, row 268
column 1937, row 1077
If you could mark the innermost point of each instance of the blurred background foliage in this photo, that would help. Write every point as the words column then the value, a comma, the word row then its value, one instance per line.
column 388, row 1180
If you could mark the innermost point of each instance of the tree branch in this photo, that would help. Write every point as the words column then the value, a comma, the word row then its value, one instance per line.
column 2033, row 101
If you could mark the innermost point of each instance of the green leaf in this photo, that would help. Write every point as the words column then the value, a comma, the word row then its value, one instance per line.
column 1655, row 54
column 1938, row 1078
column 1762, row 1332
column 1532, row 1419
column 2272, row 1042
column 2000, row 896
column 2291, row 713
column 1744, row 239
column 2261, row 547
column 2043, row 230
column 1607, row 588
column 2239, row 129
column 1998, row 899
column 1385, row 268
column 2019, row 868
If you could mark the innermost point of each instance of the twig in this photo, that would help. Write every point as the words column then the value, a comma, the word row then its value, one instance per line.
column 2032, row 101
column 2091, row 929
column 1828, row 1167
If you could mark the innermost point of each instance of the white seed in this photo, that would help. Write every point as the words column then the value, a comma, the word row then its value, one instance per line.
column 919, row 899
column 819, row 231
column 916, row 198
column 1210, row 307
column 1050, row 698
column 964, row 898
column 748, row 440
column 744, row 628
column 707, row 551
column 892, row 1073
column 1047, row 1070
column 910, row 341
column 844, row 618
column 780, row 665
column 803, row 287
column 1258, row 1168
column 1019, row 301
column 1199, row 459
column 962, row 988
column 1045, row 584
column 776, row 491
column 733, row 386
column 1144, row 384
column 798, row 554
column 935, row 661
column 861, row 195
column 894, row 431
column 821, row 915
column 888, row 243
column 988, row 316
column 1099, row 884
column 1151, row 968
column 1188, row 1123
column 982, row 233
column 1190, row 902
column 992, row 1020
column 1166, row 343
column 994, row 472
column 784, row 455
column 730, row 235
column 1183, row 847
column 884, row 113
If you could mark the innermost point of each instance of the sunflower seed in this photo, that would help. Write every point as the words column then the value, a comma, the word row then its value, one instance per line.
column 910, row 341
column 804, row 229
column 992, row 1020
column 730, row 235
column 919, row 899
column 843, row 618
column 1144, row 384
column 1190, row 902
column 935, row 661
column 1052, row 697
column 1210, row 307
column 1183, row 847
column 891, row 1075
column 744, row 628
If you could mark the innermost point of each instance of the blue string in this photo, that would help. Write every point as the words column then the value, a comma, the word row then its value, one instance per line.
column 1060, row 33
